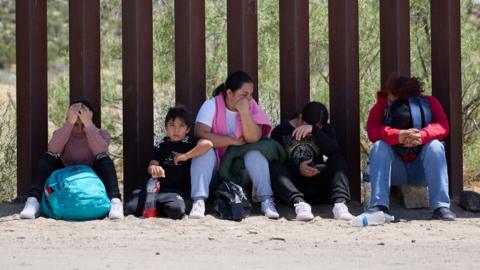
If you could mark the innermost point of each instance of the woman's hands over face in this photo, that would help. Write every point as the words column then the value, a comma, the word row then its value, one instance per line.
column 72, row 113
column 85, row 116
column 79, row 111
column 242, row 105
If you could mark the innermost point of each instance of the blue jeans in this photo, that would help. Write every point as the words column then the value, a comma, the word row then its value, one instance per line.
column 256, row 165
column 429, row 168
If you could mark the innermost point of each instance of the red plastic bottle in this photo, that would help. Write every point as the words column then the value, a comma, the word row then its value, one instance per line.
column 150, row 210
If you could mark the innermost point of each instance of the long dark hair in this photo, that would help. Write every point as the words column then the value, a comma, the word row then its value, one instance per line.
column 315, row 112
column 87, row 104
column 403, row 87
column 233, row 82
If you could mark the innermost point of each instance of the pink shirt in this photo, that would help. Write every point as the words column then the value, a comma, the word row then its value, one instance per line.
column 219, row 125
column 79, row 148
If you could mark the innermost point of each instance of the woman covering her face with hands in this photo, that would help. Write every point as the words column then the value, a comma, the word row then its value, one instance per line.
column 230, row 118
column 78, row 141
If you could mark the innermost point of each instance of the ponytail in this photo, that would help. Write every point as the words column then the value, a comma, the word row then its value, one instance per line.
column 221, row 89
column 233, row 82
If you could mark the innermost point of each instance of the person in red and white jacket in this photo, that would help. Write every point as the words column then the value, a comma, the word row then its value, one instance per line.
column 78, row 141
column 427, row 166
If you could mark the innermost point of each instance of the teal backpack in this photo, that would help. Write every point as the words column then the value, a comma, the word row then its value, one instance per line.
column 75, row 193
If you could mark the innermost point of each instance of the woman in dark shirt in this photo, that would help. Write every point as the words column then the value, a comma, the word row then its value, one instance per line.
column 306, row 176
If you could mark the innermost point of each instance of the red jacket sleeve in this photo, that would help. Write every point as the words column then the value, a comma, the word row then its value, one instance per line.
column 376, row 128
column 438, row 127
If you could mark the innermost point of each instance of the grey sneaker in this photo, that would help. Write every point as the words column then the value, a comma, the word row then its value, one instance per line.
column 443, row 213
column 269, row 210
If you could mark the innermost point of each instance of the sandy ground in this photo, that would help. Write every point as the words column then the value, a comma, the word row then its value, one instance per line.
column 255, row 243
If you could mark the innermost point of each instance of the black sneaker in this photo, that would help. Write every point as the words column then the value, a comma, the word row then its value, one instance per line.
column 443, row 213
column 377, row 208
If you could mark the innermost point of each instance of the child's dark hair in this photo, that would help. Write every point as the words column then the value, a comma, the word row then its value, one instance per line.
column 233, row 82
column 87, row 104
column 403, row 87
column 315, row 112
column 179, row 112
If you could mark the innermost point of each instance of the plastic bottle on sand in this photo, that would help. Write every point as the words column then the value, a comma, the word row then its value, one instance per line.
column 371, row 219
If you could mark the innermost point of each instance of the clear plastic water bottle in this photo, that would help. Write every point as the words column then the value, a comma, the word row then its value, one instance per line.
column 150, row 210
column 371, row 219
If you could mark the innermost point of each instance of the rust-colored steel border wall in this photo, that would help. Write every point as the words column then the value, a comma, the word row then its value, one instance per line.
column 190, row 53
column 137, row 38
column 32, row 115
column 294, row 57
column 242, row 51
column 394, row 38
column 447, row 81
column 84, row 38
column 137, row 55
column 344, row 84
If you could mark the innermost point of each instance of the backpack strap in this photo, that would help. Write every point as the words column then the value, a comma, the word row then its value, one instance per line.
column 427, row 113
column 416, row 112
column 420, row 110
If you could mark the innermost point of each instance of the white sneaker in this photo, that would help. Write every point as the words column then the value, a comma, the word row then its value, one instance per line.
column 116, row 209
column 340, row 212
column 304, row 211
column 198, row 209
column 31, row 209
column 269, row 210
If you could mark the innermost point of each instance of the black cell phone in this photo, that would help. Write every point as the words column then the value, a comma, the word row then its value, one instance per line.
column 318, row 166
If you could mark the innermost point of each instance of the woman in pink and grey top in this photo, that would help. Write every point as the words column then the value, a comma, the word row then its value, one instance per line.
column 232, row 117
column 79, row 141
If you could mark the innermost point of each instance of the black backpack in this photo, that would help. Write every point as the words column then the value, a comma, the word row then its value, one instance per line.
column 231, row 202
column 412, row 112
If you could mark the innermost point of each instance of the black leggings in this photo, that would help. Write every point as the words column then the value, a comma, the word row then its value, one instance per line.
column 168, row 204
column 48, row 163
column 330, row 186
